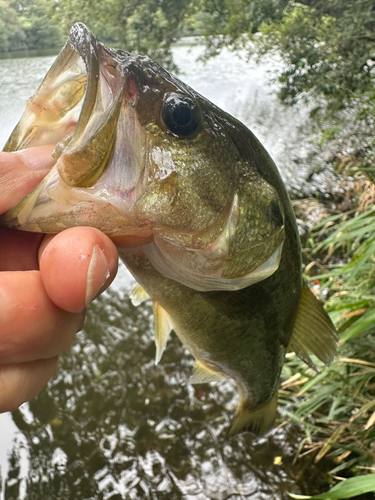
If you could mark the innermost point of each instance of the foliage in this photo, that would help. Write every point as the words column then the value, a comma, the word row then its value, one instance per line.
column 346, row 489
column 142, row 26
column 327, row 46
column 337, row 407
column 328, row 59
column 27, row 25
column 12, row 35
column 351, row 286
column 328, row 50
column 35, row 17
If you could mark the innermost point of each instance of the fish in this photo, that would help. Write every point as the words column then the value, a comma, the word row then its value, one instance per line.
column 140, row 154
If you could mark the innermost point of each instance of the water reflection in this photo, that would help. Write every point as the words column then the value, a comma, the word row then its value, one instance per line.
column 112, row 425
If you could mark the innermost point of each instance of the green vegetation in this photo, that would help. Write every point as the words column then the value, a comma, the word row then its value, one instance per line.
column 12, row 36
column 337, row 407
column 146, row 27
column 347, row 489
column 27, row 25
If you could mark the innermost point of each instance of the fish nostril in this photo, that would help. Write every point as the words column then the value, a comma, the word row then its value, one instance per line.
column 131, row 90
column 275, row 214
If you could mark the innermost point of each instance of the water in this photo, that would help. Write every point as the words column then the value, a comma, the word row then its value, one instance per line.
column 110, row 424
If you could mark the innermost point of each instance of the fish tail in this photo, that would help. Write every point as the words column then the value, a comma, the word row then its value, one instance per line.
column 257, row 420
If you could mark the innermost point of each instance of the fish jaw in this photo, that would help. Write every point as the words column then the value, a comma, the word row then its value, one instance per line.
column 66, row 97
column 210, row 276
column 54, row 206
column 85, row 106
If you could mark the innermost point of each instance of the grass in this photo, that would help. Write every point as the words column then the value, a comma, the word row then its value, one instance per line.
column 345, row 489
column 336, row 408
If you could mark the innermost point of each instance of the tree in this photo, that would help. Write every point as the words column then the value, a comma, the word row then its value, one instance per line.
column 328, row 54
column 327, row 46
column 12, row 35
column 142, row 26
column 35, row 18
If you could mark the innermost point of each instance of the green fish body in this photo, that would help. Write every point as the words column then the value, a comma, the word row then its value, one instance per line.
column 140, row 153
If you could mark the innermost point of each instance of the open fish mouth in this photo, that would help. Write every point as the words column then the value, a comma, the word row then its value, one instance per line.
column 139, row 153
column 77, row 108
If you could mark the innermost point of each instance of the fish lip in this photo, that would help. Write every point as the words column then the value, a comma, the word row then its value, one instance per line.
column 84, row 43
column 109, row 90
column 81, row 38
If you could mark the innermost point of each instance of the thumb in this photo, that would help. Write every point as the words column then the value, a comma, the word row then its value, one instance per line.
column 21, row 171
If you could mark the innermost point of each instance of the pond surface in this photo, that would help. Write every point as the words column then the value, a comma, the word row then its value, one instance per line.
column 112, row 425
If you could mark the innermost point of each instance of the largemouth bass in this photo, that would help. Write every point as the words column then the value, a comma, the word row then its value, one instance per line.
column 139, row 153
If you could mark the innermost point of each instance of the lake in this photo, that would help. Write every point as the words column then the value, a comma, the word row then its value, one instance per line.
column 111, row 425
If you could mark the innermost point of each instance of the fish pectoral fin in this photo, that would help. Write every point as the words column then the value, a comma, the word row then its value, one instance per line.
column 314, row 332
column 162, row 329
column 257, row 420
column 201, row 374
column 138, row 295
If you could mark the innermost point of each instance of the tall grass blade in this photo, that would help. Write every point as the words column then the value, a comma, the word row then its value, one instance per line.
column 347, row 489
column 360, row 325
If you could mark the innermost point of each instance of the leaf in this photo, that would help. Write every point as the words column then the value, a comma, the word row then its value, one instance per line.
column 361, row 324
column 328, row 445
column 346, row 489
column 370, row 422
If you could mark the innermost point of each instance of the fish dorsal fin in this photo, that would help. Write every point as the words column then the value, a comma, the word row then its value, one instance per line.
column 201, row 374
column 138, row 296
column 162, row 329
column 258, row 420
column 313, row 331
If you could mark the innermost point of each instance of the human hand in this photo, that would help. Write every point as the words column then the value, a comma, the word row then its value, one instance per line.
column 46, row 282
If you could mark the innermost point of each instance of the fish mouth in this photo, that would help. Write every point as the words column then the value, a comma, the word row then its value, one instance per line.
column 81, row 108
column 89, row 106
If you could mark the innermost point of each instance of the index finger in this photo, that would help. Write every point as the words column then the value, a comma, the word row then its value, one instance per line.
column 21, row 171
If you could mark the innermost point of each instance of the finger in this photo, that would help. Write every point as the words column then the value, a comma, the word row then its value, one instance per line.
column 19, row 250
column 22, row 382
column 20, row 172
column 31, row 326
column 76, row 266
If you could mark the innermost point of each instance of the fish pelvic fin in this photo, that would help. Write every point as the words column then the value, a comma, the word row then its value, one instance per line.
column 314, row 332
column 201, row 374
column 162, row 329
column 138, row 295
column 258, row 420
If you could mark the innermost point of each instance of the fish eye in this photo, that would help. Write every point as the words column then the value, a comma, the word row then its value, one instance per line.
column 180, row 114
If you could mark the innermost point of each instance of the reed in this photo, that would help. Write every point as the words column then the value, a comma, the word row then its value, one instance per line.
column 336, row 408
